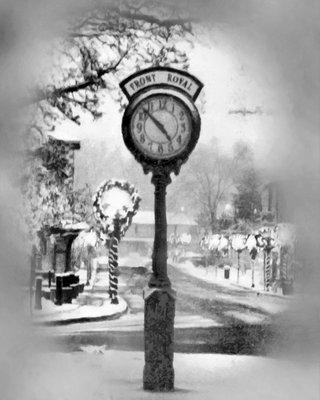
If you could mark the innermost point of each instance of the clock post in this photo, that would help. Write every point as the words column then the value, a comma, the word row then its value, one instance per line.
column 159, row 311
column 160, row 127
column 160, row 179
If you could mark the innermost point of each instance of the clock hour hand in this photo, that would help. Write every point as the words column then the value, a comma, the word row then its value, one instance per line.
column 158, row 124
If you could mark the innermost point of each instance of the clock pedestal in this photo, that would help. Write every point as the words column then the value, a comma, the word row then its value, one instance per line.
column 158, row 374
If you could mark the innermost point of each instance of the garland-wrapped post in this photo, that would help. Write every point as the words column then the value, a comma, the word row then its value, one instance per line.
column 268, row 268
column 114, row 212
column 267, row 242
column 113, row 263
column 267, row 262
column 286, row 269
column 283, row 265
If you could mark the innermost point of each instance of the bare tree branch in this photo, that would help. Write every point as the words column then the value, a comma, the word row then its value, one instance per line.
column 92, row 80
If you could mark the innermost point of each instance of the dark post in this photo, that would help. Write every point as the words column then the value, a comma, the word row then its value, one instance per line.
column 159, row 258
column 158, row 374
column 58, row 290
column 88, row 265
column 49, row 278
column 252, row 271
column 238, row 270
column 38, row 294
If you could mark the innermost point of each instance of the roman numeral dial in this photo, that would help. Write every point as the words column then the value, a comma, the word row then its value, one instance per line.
column 161, row 126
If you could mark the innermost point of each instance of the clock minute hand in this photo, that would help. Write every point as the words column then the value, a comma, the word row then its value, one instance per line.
column 158, row 124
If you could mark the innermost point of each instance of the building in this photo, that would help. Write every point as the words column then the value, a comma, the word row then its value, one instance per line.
column 275, row 201
column 143, row 225
column 140, row 235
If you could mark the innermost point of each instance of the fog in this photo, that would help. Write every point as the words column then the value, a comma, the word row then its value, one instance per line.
column 284, row 33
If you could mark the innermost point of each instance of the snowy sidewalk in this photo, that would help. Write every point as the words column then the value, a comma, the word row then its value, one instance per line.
column 73, row 313
column 214, row 274
column 98, row 373
column 93, row 304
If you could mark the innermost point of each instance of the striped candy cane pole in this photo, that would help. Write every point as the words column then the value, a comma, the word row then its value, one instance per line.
column 283, row 264
column 113, row 264
column 268, row 268
column 264, row 269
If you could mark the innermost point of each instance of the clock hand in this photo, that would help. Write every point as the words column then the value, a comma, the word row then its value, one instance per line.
column 158, row 124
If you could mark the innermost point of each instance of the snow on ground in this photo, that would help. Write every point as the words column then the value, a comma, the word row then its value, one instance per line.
column 129, row 323
column 99, row 373
column 49, row 308
column 265, row 302
column 133, row 260
column 101, row 281
column 192, row 254
column 51, row 312
column 214, row 274
column 246, row 316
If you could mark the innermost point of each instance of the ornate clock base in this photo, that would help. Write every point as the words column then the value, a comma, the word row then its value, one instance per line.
column 158, row 373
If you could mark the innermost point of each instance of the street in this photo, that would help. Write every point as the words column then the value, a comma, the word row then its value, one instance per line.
column 209, row 319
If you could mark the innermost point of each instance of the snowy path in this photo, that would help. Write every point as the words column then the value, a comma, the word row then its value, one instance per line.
column 226, row 305
column 209, row 319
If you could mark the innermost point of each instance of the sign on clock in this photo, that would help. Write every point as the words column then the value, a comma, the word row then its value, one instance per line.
column 161, row 124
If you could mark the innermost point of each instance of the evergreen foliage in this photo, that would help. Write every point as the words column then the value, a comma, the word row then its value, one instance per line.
column 247, row 200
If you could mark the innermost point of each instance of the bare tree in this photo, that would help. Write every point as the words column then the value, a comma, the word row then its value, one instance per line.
column 101, row 48
column 208, row 179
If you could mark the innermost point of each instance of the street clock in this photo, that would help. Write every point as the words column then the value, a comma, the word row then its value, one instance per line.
column 161, row 124
column 160, row 127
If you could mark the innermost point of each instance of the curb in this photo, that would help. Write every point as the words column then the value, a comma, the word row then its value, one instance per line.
column 82, row 319
column 262, row 292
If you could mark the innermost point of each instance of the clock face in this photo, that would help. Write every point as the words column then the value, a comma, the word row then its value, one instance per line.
column 161, row 126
